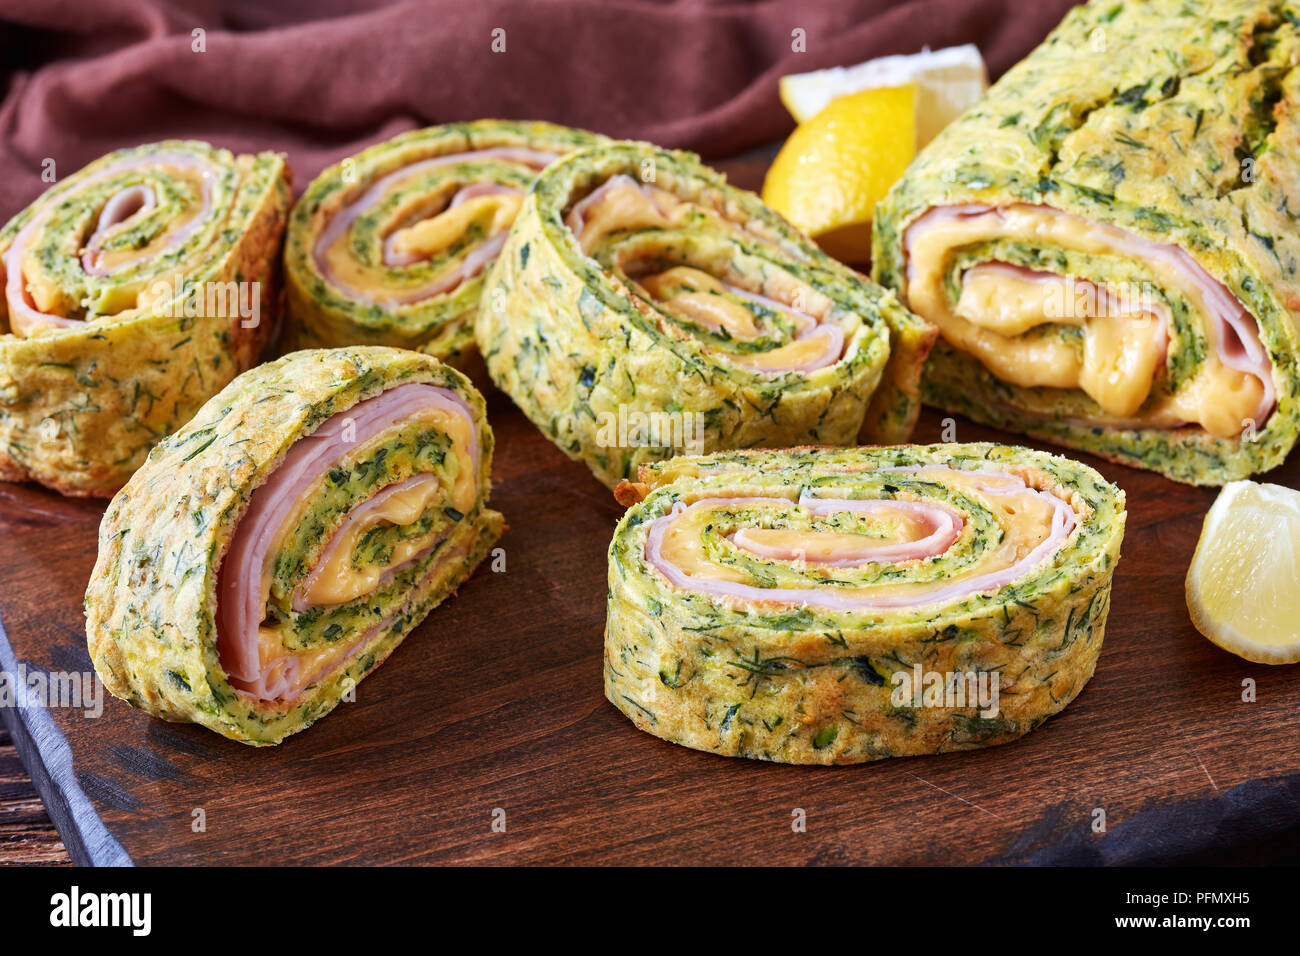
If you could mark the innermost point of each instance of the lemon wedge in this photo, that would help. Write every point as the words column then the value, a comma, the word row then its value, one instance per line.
column 948, row 82
column 1243, row 588
column 833, row 169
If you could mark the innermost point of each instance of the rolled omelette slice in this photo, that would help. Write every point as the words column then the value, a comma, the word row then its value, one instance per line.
column 133, row 291
column 830, row 606
column 1108, row 245
column 279, row 547
column 641, row 306
column 389, row 247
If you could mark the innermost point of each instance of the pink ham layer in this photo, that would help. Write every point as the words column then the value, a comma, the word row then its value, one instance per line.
column 129, row 202
column 1236, row 333
column 1063, row 523
column 943, row 528
column 24, row 317
column 241, row 600
column 470, row 266
column 808, row 326
column 475, row 262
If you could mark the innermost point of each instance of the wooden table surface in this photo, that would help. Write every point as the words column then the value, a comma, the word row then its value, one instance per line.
column 495, row 704
column 27, row 836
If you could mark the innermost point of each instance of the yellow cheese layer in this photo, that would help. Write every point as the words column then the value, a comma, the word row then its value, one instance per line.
column 699, row 296
column 429, row 232
column 1122, row 350
column 1122, row 354
column 337, row 581
column 797, row 353
column 428, row 237
column 1024, row 517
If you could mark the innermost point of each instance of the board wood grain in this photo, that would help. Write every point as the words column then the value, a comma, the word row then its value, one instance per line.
column 27, row 835
column 495, row 703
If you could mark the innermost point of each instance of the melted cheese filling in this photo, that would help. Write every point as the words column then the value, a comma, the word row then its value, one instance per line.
column 1123, row 349
column 336, row 580
column 1023, row 514
column 695, row 295
column 1124, row 344
column 109, row 261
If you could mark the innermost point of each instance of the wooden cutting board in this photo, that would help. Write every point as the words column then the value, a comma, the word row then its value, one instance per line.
column 493, row 709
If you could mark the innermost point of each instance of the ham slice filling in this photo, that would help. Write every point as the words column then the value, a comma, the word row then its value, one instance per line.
column 1232, row 332
column 471, row 265
column 244, row 579
column 1046, row 522
column 25, row 316
column 623, row 203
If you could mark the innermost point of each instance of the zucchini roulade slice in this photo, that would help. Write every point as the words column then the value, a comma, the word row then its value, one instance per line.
column 838, row 606
column 388, row 247
column 134, row 290
column 1108, row 244
column 277, row 548
column 643, row 307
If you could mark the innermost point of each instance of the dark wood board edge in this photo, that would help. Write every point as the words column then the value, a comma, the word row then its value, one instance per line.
column 28, row 837
column 48, row 759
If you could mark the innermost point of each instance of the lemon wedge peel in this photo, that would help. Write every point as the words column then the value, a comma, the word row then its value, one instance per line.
column 832, row 171
column 1243, row 586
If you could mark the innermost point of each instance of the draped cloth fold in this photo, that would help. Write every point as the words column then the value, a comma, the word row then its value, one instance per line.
column 320, row 79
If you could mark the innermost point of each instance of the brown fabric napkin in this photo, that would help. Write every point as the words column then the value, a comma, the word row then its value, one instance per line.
column 319, row 79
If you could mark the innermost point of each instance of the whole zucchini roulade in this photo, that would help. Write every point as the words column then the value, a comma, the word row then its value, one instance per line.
column 134, row 290
column 1108, row 241
column 277, row 548
column 389, row 246
column 642, row 306
column 839, row 606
